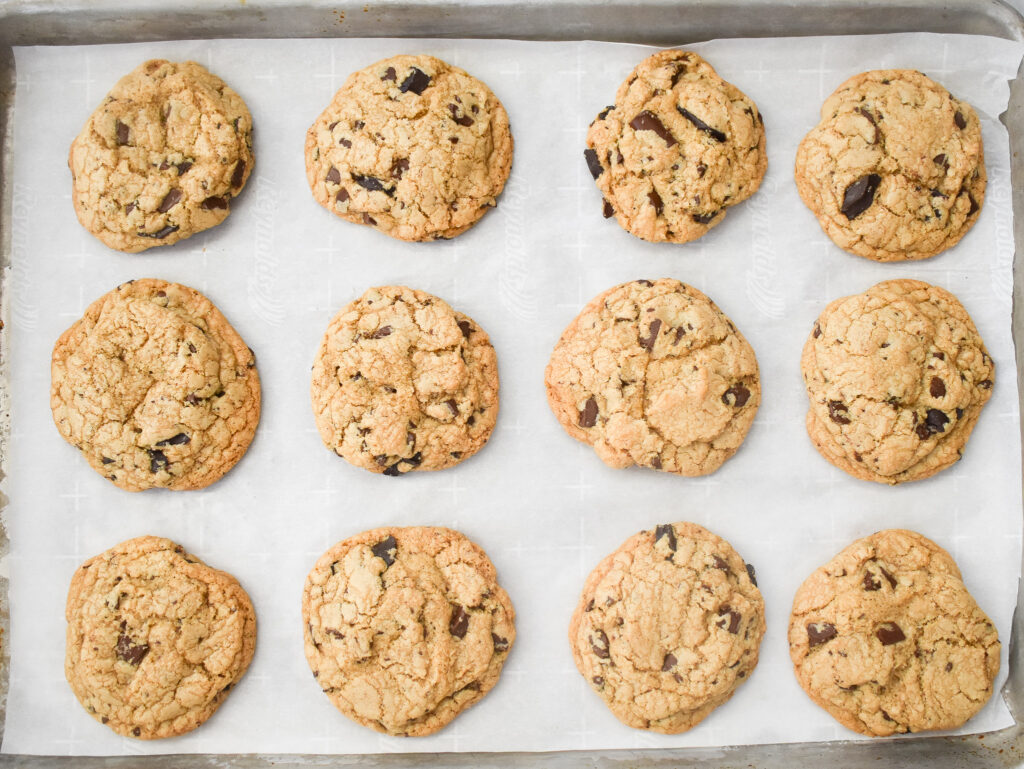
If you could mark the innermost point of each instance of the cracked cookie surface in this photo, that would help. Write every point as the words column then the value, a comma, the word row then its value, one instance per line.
column 412, row 146
column 406, row 627
column 667, row 627
column 403, row 382
column 162, row 157
column 155, row 387
column 886, row 638
column 654, row 374
column 679, row 146
column 895, row 170
column 155, row 638
column 896, row 378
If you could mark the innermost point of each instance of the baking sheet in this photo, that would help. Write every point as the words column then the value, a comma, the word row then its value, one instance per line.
column 543, row 506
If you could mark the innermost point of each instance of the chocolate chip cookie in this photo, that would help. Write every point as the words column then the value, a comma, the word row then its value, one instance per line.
column 895, row 170
column 679, row 146
column 155, row 638
column 887, row 639
column 654, row 374
column 162, row 157
column 668, row 626
column 403, row 382
column 155, row 387
column 896, row 378
column 406, row 627
column 410, row 145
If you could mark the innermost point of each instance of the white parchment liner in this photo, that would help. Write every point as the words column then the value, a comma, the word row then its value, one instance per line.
column 543, row 506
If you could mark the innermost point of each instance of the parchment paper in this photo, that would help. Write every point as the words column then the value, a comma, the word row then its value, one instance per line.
column 543, row 506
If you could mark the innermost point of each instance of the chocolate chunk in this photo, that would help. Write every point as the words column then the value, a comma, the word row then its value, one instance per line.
column 974, row 205
column 648, row 121
column 731, row 617
column 386, row 550
column 648, row 343
column 372, row 183
column 596, row 169
column 465, row 328
column 170, row 201
column 342, row 195
column 588, row 417
column 333, row 176
column 752, row 574
column 129, row 208
column 399, row 167
column 701, row 170
column 381, row 332
column 738, row 394
column 820, row 632
column 668, row 531
column 889, row 577
column 599, row 643
column 137, row 731
column 184, row 166
column 958, row 118
column 937, row 387
column 604, row 113
column 389, row 74
column 714, row 133
column 720, row 563
column 939, row 159
column 889, row 634
column 985, row 384
column 860, row 195
column 175, row 440
column 452, row 406
column 668, row 663
column 644, row 283
column 871, row 583
column 655, row 199
column 598, row 681
column 393, row 471
column 949, row 666
column 871, row 119
column 334, row 632
column 459, row 623
column 157, row 460
column 935, row 421
column 464, row 120
column 417, row 81
column 656, row 462
column 347, row 144
column 129, row 652
column 837, row 412
column 122, row 133
column 214, row 203
column 161, row 234
column 607, row 211
column 106, row 460
column 500, row 644
column 704, row 218
column 238, row 175
column 192, row 399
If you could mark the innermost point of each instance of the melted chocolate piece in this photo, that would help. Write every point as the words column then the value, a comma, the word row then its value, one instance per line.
column 372, row 183
column 648, row 343
column 837, row 412
column 333, row 176
column 459, row 623
column 386, row 550
column 500, row 644
column 596, row 169
column 417, row 82
column 738, row 394
column 648, row 121
column 714, row 133
column 214, row 203
column 860, row 195
column 655, row 199
column 599, row 643
column 890, row 633
column 668, row 531
column 937, row 387
column 175, row 440
column 170, row 201
column 238, row 175
column 820, row 632
column 122, row 133
column 588, row 417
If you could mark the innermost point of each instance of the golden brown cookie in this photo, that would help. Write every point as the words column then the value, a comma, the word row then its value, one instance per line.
column 155, row 387
column 162, row 156
column 667, row 627
column 410, row 145
column 679, row 146
column 406, row 627
column 896, row 378
column 654, row 374
column 155, row 638
column 886, row 638
column 895, row 170
column 403, row 382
